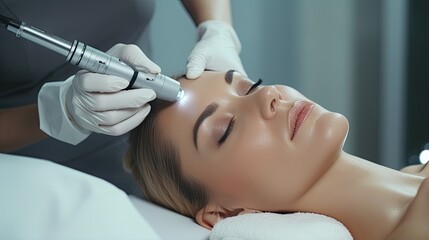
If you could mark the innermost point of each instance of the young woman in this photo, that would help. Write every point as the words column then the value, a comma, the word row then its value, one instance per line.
column 231, row 146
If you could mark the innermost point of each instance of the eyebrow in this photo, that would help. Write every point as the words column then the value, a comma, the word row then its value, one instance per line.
column 229, row 76
column 209, row 110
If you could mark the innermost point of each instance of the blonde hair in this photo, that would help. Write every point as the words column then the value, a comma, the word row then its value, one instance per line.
column 154, row 163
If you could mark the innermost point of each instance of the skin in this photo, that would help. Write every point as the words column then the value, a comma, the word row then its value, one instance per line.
column 19, row 127
column 260, row 167
column 203, row 10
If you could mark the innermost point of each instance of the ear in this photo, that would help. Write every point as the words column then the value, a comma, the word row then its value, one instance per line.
column 213, row 213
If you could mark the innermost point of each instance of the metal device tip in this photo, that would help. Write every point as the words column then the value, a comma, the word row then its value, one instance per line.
column 180, row 94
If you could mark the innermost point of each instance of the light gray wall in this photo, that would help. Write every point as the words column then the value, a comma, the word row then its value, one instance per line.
column 329, row 50
column 326, row 62
column 393, row 75
column 172, row 35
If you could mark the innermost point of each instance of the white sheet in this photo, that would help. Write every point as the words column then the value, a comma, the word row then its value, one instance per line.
column 43, row 200
column 168, row 224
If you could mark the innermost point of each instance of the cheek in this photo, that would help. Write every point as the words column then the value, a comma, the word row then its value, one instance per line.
column 251, row 165
column 320, row 147
column 323, row 135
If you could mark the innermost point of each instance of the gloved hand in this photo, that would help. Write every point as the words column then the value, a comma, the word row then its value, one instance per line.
column 217, row 49
column 92, row 102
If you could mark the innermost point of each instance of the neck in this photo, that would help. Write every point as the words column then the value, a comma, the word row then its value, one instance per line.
column 367, row 198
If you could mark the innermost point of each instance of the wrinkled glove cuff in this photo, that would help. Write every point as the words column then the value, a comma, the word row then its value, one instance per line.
column 211, row 28
column 53, row 116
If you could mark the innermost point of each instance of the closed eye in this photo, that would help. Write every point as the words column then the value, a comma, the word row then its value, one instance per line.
column 231, row 123
column 228, row 131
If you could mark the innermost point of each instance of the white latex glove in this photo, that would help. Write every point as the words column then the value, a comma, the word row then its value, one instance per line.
column 91, row 102
column 218, row 49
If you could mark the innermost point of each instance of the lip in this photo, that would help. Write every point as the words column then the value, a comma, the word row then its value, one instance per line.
column 296, row 116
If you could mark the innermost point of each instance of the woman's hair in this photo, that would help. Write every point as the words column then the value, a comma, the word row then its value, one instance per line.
column 154, row 163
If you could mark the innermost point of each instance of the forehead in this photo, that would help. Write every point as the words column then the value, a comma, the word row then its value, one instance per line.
column 200, row 91
column 177, row 120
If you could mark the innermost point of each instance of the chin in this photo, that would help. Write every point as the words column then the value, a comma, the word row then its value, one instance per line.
column 332, row 130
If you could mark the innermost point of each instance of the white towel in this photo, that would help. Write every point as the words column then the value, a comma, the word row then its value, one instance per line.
column 273, row 226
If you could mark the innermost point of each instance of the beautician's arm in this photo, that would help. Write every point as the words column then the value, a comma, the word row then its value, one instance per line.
column 203, row 10
column 19, row 127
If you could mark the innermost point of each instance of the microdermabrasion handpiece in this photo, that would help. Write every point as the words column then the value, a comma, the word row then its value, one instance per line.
column 93, row 60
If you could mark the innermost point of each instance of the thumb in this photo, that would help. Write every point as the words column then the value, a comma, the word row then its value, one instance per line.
column 132, row 54
column 142, row 62
column 136, row 57
column 195, row 67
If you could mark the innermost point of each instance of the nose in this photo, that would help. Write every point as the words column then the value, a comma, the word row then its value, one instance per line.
column 268, row 100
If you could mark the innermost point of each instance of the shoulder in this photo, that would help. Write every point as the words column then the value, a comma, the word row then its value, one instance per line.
column 416, row 219
column 418, row 169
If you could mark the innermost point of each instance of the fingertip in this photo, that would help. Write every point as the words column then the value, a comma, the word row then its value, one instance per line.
column 145, row 110
column 149, row 93
column 146, row 65
column 155, row 69
column 193, row 73
column 134, row 121
column 118, row 82
column 140, row 115
column 145, row 94
column 190, row 75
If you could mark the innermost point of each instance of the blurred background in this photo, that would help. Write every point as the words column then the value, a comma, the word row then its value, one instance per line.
column 363, row 58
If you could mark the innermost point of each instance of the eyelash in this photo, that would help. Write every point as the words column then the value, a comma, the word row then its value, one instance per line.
column 227, row 132
column 232, row 121
column 254, row 86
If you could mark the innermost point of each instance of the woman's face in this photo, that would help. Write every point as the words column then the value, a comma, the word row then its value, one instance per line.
column 258, row 149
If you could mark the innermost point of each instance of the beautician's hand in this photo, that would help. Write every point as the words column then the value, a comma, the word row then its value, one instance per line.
column 91, row 102
column 218, row 49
